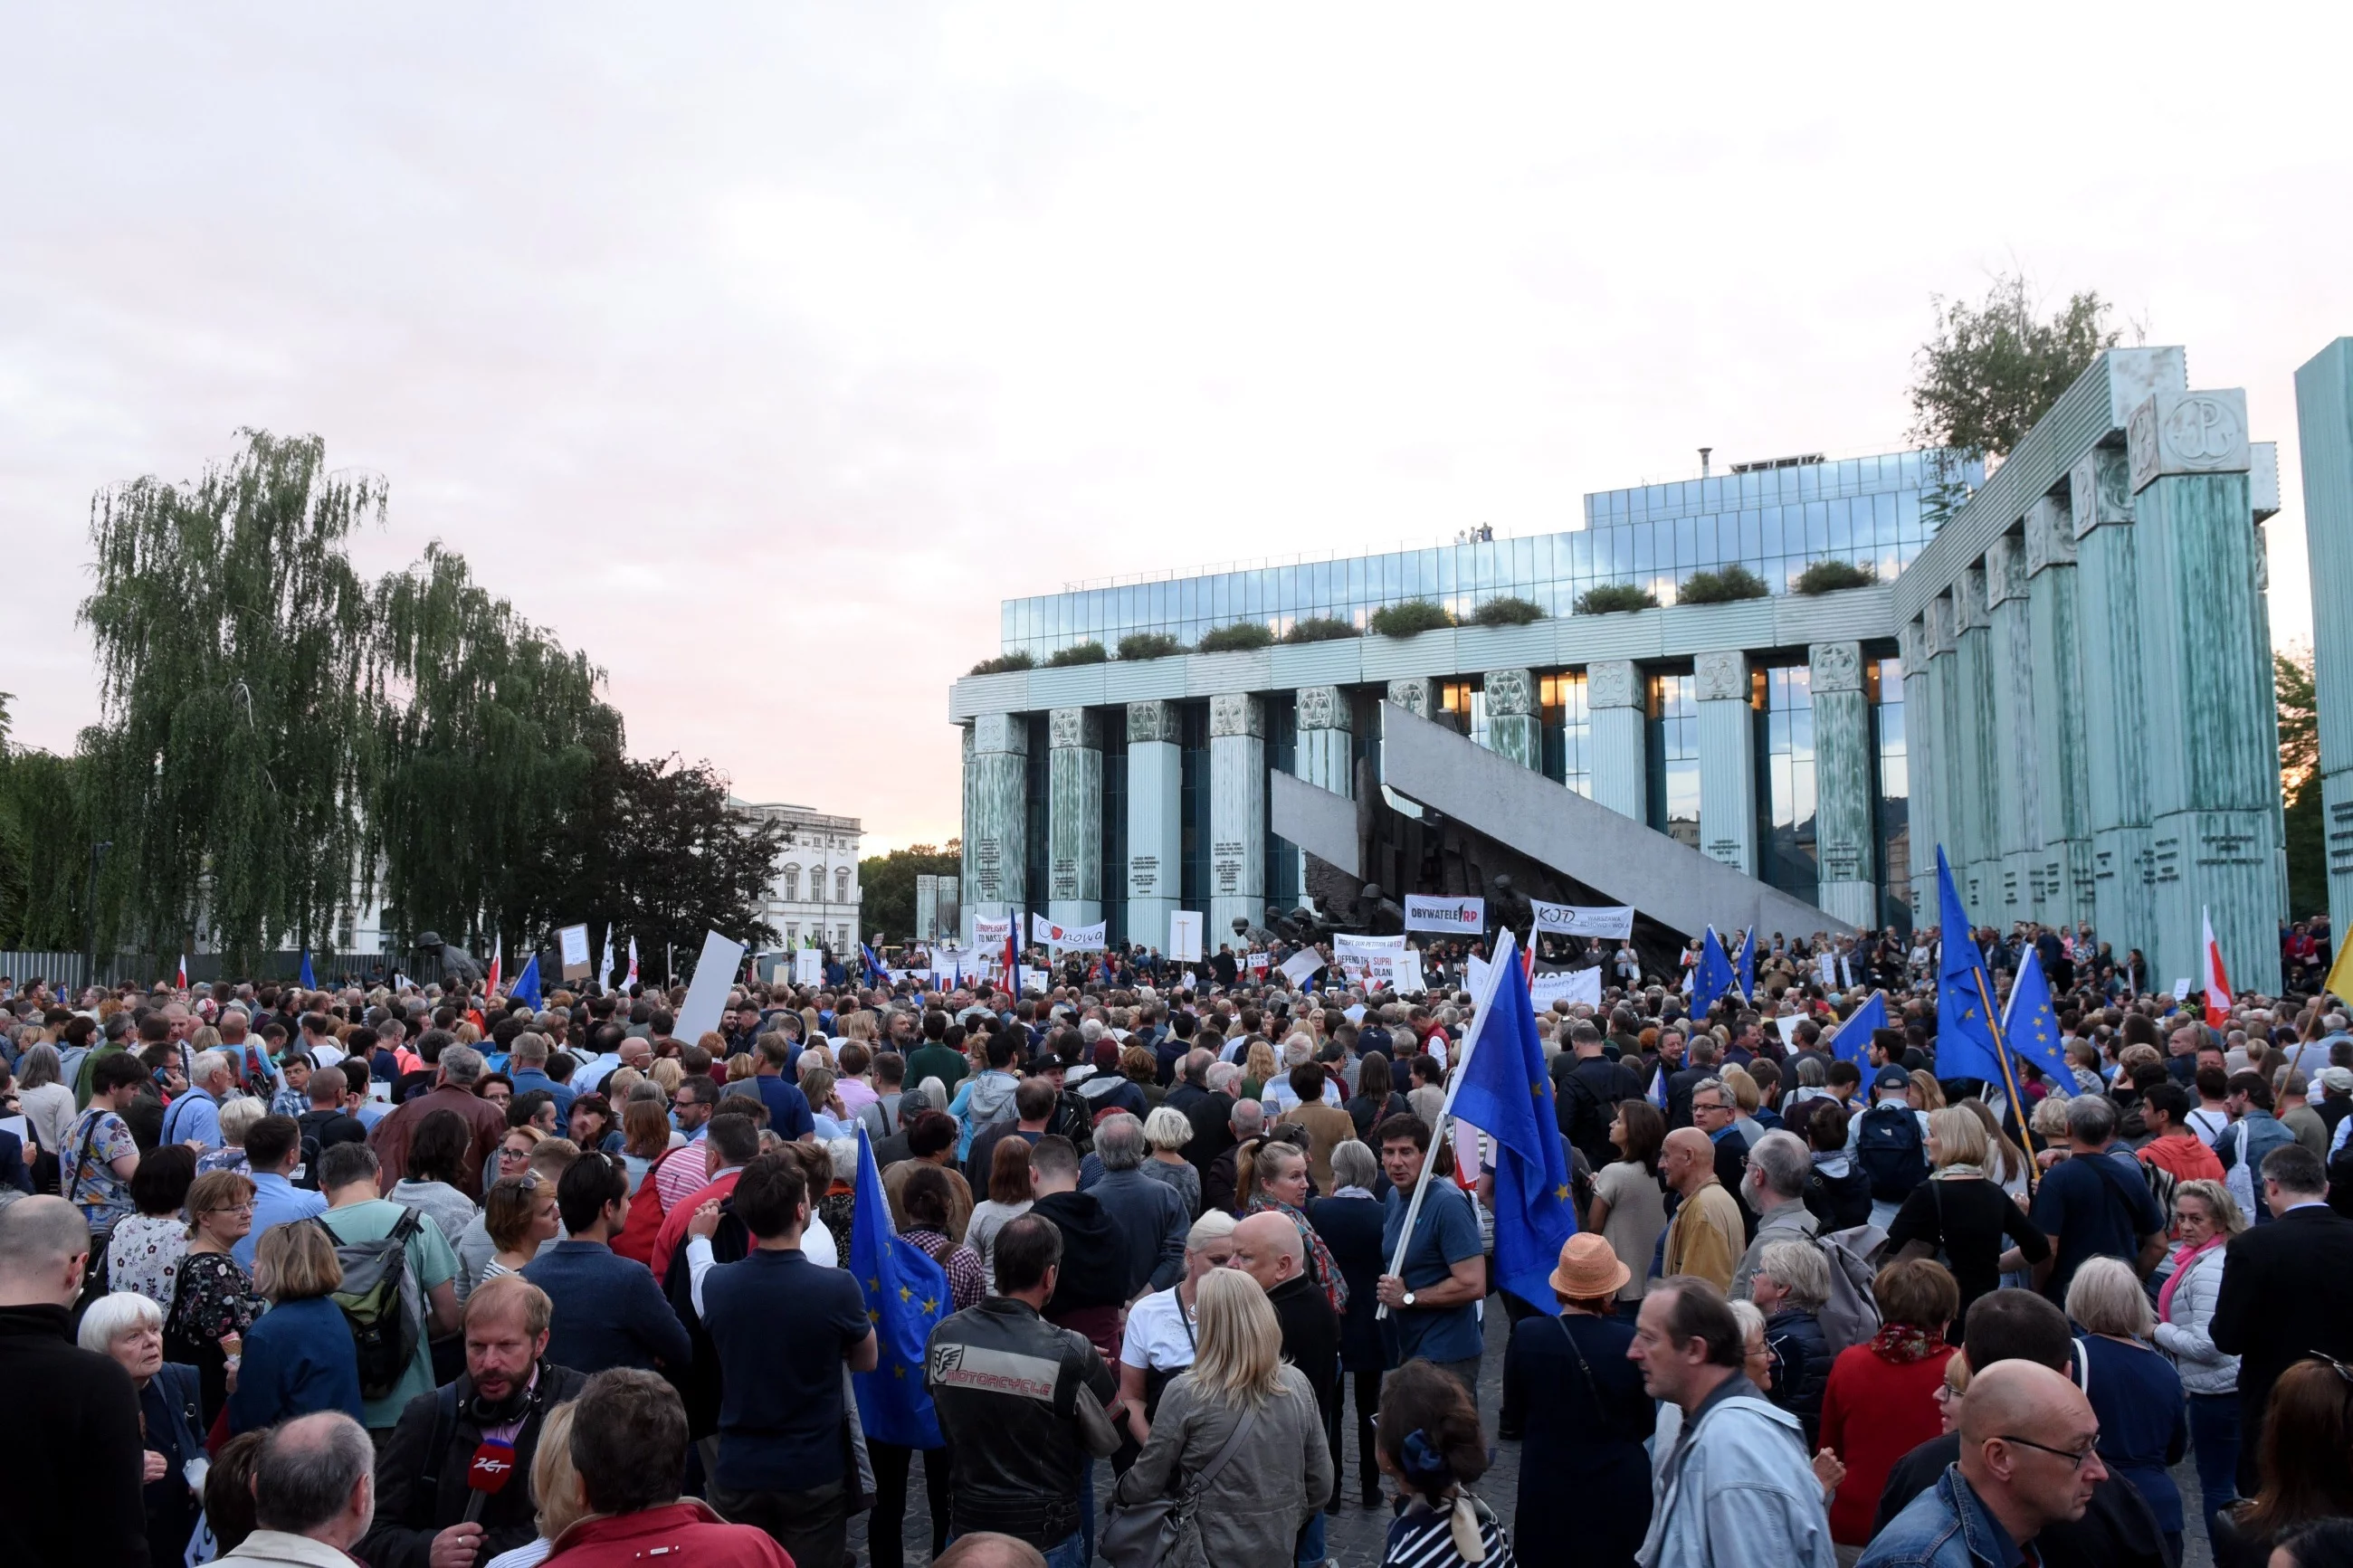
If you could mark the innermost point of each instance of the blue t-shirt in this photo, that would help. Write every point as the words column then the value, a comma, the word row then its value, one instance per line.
column 2095, row 1207
column 781, row 1326
column 1444, row 1233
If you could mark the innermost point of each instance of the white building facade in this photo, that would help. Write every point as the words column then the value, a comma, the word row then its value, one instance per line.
column 813, row 899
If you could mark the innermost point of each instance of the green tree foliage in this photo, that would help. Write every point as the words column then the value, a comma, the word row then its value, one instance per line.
column 1830, row 576
column 1993, row 370
column 44, row 847
column 1319, row 628
column 886, row 886
column 1610, row 598
column 1410, row 618
column 235, row 755
column 1239, row 636
column 1077, row 653
column 1004, row 664
column 1507, row 610
column 671, row 859
column 2299, row 733
column 1720, row 587
column 1148, row 644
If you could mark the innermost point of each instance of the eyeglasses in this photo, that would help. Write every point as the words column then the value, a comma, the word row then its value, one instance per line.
column 2074, row 1457
column 245, row 1207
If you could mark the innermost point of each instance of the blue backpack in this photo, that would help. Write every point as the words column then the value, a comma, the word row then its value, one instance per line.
column 1892, row 1152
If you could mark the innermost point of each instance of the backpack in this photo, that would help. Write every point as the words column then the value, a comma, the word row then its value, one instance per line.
column 1850, row 1315
column 1892, row 1152
column 1585, row 1117
column 380, row 1300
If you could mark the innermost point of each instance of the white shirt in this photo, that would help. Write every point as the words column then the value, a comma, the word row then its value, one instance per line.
column 1157, row 1338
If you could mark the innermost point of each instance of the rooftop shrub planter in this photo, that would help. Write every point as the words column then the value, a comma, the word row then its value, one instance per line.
column 1614, row 598
column 1508, row 610
column 1239, row 637
column 1005, row 664
column 1726, row 587
column 1830, row 576
column 1410, row 619
column 1148, row 644
column 1319, row 628
column 1077, row 653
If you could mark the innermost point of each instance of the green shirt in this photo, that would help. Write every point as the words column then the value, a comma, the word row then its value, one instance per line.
column 936, row 1060
column 430, row 1263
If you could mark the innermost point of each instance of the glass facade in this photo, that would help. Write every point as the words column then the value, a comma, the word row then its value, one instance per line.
column 1568, row 730
column 1883, row 681
column 1193, row 799
column 1284, row 886
column 1674, row 756
column 1463, row 704
column 1785, row 771
column 1115, row 827
column 1775, row 521
column 1041, row 772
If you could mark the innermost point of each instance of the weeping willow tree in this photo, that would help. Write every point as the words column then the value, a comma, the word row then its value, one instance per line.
column 234, row 751
column 488, row 731
column 43, row 847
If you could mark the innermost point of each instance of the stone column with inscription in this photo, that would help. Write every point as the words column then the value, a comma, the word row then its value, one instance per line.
column 2115, row 724
column 1326, row 757
column 2324, row 415
column 1923, row 805
column 1075, row 791
column 1237, row 815
column 1845, row 844
column 2017, row 809
column 1955, row 814
column 1613, row 700
column 1155, row 822
column 1727, row 759
column 1979, row 739
column 996, row 815
column 2063, row 869
column 1514, row 730
column 2212, row 837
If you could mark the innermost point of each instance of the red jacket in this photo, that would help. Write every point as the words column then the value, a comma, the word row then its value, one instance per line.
column 684, row 1533
column 1874, row 1412
column 673, row 1234
column 645, row 1211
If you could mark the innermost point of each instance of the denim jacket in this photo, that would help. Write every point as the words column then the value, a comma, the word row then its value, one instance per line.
column 1740, row 1493
column 1943, row 1527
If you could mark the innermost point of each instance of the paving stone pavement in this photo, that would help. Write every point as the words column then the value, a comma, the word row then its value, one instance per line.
column 1353, row 1537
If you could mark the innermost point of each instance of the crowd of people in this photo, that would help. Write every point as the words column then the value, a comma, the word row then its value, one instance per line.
column 431, row 1278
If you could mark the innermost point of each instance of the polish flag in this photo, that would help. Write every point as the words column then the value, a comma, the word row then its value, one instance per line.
column 631, row 978
column 180, row 980
column 2215, row 983
column 490, row 987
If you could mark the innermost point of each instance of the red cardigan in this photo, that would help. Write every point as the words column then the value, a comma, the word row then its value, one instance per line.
column 1873, row 1412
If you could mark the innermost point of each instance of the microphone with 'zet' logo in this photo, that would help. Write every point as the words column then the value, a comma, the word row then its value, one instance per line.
column 486, row 1474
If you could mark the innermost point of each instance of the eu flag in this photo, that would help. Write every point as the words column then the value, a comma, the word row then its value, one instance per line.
column 1747, row 964
column 906, row 1296
column 1964, row 1038
column 309, row 981
column 2031, row 1029
column 1852, row 1041
column 526, row 985
column 875, row 973
column 1711, row 979
column 1505, row 1092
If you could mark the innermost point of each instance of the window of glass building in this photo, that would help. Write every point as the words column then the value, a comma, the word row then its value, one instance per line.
column 1883, row 679
column 1115, row 829
column 1285, row 873
column 1193, row 794
column 1674, row 756
column 1041, row 772
column 1568, row 730
column 1461, row 704
column 1785, row 728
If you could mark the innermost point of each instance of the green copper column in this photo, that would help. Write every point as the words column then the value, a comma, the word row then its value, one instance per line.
column 2115, row 729
column 996, row 823
column 2063, row 869
column 1976, row 741
column 1844, row 846
column 2213, row 841
column 2324, row 413
column 1923, row 803
column 1727, row 759
column 2017, row 811
column 1953, row 810
column 1514, row 730
column 1613, row 697
column 1155, row 827
column 1236, row 815
column 1074, row 781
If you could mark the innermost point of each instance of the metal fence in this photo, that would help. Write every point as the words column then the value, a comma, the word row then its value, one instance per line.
column 68, row 972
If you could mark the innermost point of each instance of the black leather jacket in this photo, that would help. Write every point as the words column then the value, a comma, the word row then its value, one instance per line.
column 1006, row 1384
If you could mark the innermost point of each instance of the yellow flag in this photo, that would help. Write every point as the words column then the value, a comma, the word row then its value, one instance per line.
column 2340, row 973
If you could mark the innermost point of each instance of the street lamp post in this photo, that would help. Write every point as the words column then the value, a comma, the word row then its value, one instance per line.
column 90, row 910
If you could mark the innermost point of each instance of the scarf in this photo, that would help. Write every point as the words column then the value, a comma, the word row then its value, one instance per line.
column 1353, row 1193
column 2182, row 1262
column 1902, row 1344
column 1959, row 1168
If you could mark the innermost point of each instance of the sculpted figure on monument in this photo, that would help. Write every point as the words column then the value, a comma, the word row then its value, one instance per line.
column 457, row 963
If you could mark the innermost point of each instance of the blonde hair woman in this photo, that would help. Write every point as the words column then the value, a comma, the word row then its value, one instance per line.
column 1259, row 1068
column 554, row 1488
column 1928, row 1094
column 1252, row 1508
column 1962, row 1213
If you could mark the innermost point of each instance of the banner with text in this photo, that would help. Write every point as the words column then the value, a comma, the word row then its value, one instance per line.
column 1070, row 939
column 1464, row 916
column 1614, row 920
column 989, row 934
column 1567, row 985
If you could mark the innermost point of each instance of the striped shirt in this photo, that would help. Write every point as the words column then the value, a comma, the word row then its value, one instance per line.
column 1422, row 1537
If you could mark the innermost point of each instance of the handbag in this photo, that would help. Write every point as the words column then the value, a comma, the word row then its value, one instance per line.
column 1144, row 1535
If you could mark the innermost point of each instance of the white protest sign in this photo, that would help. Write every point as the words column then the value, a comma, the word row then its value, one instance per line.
column 1584, row 920
column 1404, row 969
column 1301, row 965
column 809, row 966
column 1566, row 986
column 1428, row 912
column 1072, row 939
column 706, row 992
column 1344, row 943
column 1475, row 971
column 1185, row 935
column 572, row 945
column 1787, row 1024
column 1032, row 979
column 1257, row 963
column 2181, row 991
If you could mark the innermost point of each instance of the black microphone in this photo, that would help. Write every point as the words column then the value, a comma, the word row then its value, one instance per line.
column 487, row 1474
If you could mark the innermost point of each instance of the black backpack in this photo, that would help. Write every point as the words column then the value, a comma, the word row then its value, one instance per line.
column 1892, row 1152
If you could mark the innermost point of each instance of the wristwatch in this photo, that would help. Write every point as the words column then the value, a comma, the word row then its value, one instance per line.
column 1406, row 1299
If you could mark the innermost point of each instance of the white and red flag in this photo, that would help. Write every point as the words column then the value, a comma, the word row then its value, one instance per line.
column 2214, row 982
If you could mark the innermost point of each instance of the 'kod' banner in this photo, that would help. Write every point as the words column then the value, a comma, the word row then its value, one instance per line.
column 1425, row 912
column 1615, row 921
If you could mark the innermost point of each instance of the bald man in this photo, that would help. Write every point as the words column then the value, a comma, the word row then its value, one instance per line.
column 1267, row 1248
column 2028, row 1459
column 987, row 1548
column 1707, row 1235
column 74, row 1496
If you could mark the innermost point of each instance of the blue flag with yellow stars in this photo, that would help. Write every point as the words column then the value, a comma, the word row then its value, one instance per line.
column 1852, row 1041
column 2031, row 1029
column 1507, row 1093
column 906, row 1296
column 309, row 980
column 1711, row 979
column 1746, row 965
column 1965, row 1041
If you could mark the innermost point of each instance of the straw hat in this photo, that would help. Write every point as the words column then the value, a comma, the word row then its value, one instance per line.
column 1589, row 1269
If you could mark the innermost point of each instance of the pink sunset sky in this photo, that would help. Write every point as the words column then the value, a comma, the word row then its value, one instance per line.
column 761, row 351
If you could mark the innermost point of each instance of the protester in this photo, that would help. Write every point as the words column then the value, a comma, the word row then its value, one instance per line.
column 458, row 1069
column 2205, row 1217
column 2134, row 1389
column 273, row 1151
column 145, row 1252
column 1159, row 1340
column 313, row 1493
column 129, row 1328
column 1149, row 1214
column 2305, row 1474
column 1350, row 1224
column 1432, row 1297
column 213, row 1299
column 2286, row 1293
column 1706, row 1236
column 925, row 1197
column 1963, row 1216
column 1773, row 1186
column 2094, row 1204
column 609, row 1311
column 1432, row 1446
column 299, row 1356
column 1012, row 1189
column 356, row 1221
column 1791, row 1284
column 1588, row 1417
column 1629, row 1206
column 1879, row 1403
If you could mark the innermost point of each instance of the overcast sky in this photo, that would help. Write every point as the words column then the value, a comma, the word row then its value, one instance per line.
column 761, row 351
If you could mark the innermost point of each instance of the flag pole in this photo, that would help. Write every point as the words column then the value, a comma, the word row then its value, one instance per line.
column 2009, row 1081
column 1485, row 1006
